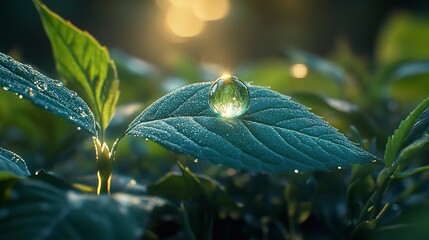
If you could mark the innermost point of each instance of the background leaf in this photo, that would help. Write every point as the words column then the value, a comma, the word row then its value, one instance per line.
column 214, row 193
column 80, row 58
column 404, row 37
column 45, row 92
column 321, row 65
column 42, row 211
column 276, row 134
column 13, row 163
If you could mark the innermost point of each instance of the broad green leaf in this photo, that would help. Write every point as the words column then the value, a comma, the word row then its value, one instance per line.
column 275, row 134
column 38, row 210
column 80, row 58
column 396, row 141
column 45, row 92
column 13, row 163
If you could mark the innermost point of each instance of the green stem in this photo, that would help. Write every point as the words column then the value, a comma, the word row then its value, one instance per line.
column 105, row 166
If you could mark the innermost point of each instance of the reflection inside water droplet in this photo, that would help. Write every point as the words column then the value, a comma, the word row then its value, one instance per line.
column 40, row 85
column 229, row 97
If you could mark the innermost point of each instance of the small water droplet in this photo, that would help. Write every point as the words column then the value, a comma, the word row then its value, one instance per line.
column 146, row 139
column 71, row 118
column 6, row 88
column 339, row 167
column 196, row 161
column 58, row 83
column 296, row 171
column 229, row 97
column 30, row 92
column 20, row 96
column 41, row 85
column 79, row 128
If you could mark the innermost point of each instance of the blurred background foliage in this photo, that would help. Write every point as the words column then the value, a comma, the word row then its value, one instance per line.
column 376, row 73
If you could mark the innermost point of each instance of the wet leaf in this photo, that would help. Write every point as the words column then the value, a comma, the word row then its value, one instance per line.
column 46, row 93
column 12, row 163
column 38, row 210
column 80, row 58
column 275, row 134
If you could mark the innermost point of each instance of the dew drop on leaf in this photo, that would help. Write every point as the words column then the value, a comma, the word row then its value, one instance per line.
column 79, row 128
column 40, row 85
column 229, row 97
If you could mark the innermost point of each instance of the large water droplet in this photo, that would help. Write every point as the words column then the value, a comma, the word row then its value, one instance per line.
column 229, row 97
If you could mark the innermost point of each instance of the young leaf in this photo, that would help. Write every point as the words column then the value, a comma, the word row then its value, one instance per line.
column 38, row 210
column 80, row 58
column 13, row 163
column 45, row 92
column 275, row 134
column 396, row 141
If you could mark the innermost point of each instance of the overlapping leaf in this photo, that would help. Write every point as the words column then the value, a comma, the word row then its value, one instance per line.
column 45, row 92
column 38, row 210
column 411, row 129
column 276, row 134
column 80, row 58
column 13, row 163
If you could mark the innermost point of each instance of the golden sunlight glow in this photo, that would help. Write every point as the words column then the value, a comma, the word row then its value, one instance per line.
column 211, row 9
column 226, row 75
column 183, row 23
column 182, row 3
column 298, row 70
column 187, row 18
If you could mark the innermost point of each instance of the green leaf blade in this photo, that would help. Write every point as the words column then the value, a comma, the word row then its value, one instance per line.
column 46, row 93
column 13, row 163
column 413, row 128
column 276, row 134
column 80, row 58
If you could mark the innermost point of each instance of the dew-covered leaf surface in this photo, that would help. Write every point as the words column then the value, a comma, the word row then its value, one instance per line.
column 275, row 134
column 35, row 209
column 12, row 163
column 44, row 92
column 81, row 59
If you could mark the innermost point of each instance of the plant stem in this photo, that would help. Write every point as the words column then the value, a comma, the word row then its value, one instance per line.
column 105, row 165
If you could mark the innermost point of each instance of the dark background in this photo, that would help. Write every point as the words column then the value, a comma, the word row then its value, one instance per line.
column 252, row 30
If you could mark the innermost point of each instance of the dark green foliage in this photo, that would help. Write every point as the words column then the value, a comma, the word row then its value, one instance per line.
column 157, row 194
